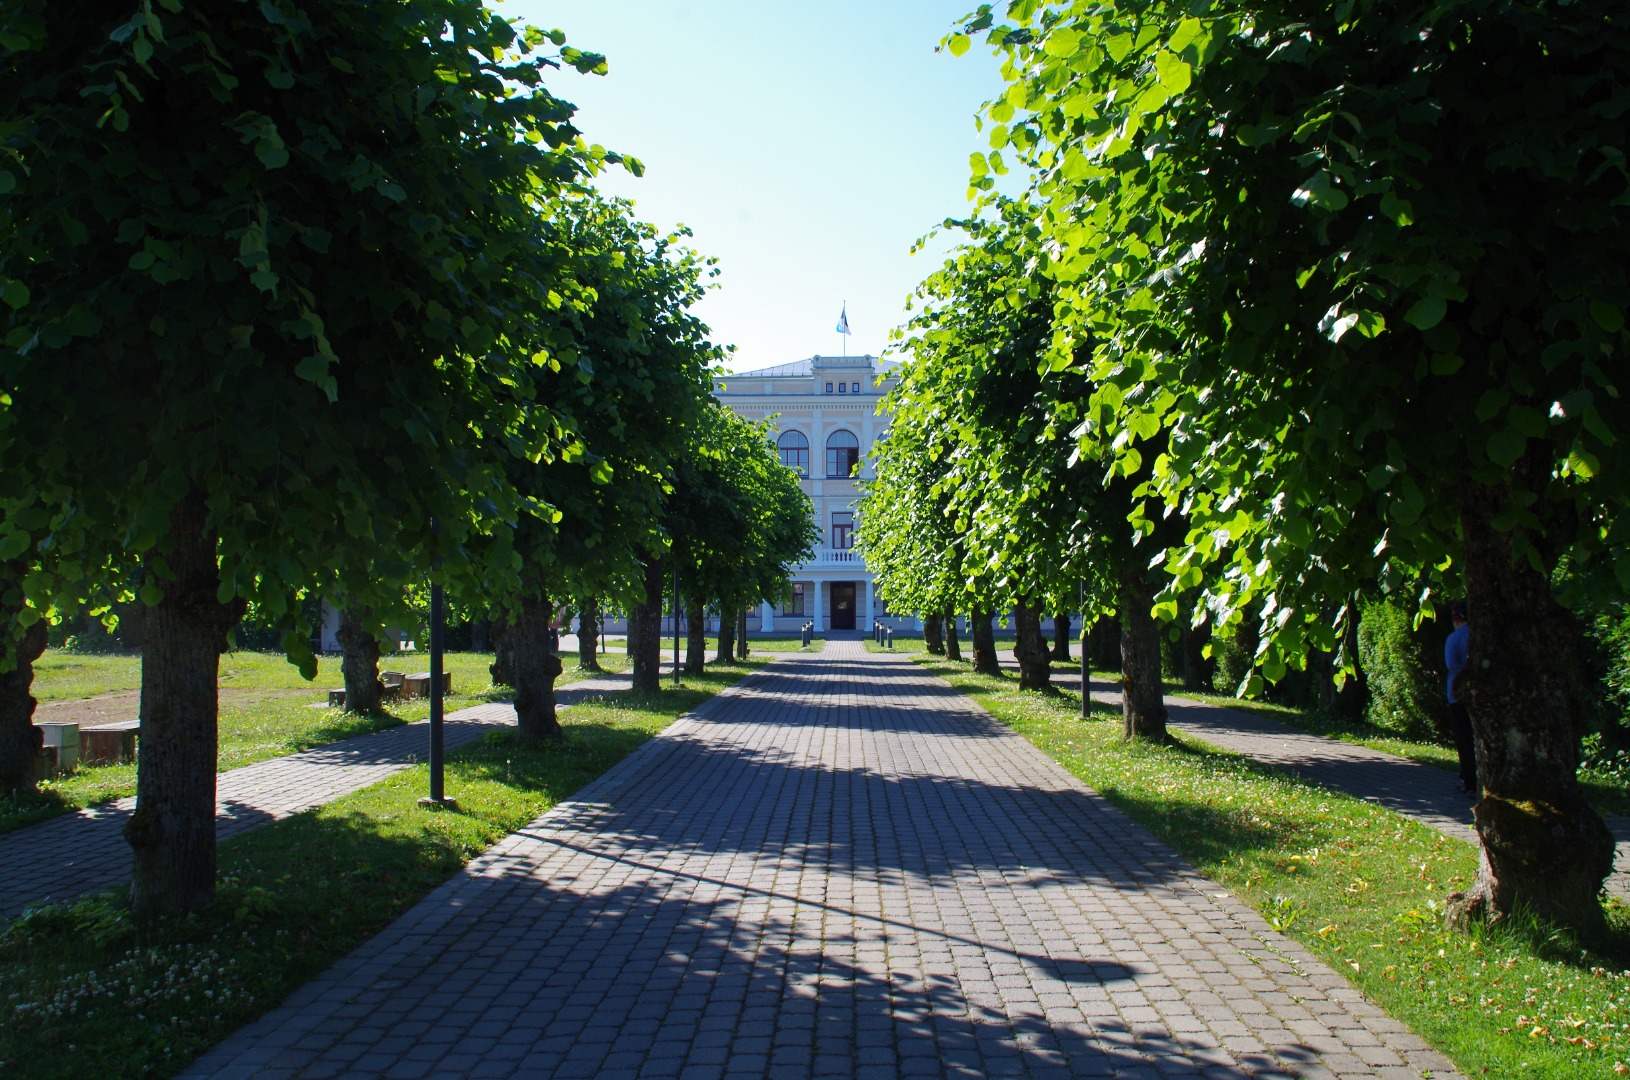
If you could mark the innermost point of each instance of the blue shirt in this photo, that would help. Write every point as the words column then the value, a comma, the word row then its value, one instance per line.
column 1454, row 656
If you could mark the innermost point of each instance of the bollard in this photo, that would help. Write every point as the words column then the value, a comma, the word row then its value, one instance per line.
column 890, row 642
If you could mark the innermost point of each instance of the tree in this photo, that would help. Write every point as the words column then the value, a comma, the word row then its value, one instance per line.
column 290, row 256
column 1362, row 265
column 629, row 365
column 737, row 521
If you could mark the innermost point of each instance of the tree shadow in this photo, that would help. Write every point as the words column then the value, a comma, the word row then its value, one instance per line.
column 575, row 973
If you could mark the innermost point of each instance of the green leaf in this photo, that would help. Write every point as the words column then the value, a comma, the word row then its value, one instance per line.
column 1174, row 72
column 151, row 594
column 1399, row 210
column 1062, row 42
column 958, row 44
column 1506, row 446
column 8, row 182
column 1446, row 363
column 14, row 293
column 1607, row 316
column 1426, row 312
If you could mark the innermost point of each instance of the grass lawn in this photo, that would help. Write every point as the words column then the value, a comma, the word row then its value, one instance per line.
column 267, row 710
column 1360, row 886
column 84, row 993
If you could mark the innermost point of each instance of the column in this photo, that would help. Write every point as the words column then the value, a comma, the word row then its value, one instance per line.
column 866, row 612
column 815, row 613
column 766, row 620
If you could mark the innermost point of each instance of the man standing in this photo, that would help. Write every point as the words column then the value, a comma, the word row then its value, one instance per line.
column 1460, row 723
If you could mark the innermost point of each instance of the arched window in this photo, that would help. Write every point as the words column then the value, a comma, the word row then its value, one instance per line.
column 794, row 449
column 842, row 454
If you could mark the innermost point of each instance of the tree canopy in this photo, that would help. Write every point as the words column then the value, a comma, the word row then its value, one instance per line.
column 1357, row 269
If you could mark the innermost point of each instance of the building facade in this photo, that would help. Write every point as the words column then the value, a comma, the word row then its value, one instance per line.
column 826, row 417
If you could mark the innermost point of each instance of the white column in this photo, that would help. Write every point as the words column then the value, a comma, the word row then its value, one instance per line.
column 820, row 623
column 866, row 622
column 766, row 622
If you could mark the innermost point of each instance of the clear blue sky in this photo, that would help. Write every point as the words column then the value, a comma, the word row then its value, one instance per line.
column 806, row 145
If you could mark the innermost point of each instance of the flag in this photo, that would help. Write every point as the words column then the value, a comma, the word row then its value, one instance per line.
column 843, row 320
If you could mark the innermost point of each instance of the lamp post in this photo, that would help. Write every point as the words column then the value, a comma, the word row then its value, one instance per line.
column 1086, row 671
column 437, row 799
column 676, row 622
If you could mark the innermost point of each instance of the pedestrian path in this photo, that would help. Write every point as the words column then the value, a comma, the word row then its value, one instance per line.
column 1424, row 792
column 75, row 854
column 838, row 867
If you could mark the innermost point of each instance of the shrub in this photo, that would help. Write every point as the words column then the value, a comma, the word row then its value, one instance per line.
column 1404, row 669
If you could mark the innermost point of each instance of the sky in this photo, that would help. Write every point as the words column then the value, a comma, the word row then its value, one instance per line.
column 806, row 145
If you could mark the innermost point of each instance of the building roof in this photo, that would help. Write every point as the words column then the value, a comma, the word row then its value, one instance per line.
column 806, row 366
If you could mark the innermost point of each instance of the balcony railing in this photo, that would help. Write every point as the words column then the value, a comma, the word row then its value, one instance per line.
column 830, row 556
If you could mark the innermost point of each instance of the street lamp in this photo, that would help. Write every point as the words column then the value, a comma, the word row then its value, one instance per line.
column 437, row 799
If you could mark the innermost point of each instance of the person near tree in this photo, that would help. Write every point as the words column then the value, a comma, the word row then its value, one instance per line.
column 1460, row 723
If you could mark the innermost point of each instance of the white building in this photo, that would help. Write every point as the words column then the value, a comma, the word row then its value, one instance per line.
column 825, row 413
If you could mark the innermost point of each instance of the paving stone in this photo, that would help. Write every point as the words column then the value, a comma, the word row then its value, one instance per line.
column 840, row 867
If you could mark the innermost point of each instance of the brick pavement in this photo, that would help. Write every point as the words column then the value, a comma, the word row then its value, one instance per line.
column 84, row 852
column 839, row 867
column 1424, row 792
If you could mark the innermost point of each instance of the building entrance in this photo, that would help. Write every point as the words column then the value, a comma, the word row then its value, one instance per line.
column 843, row 605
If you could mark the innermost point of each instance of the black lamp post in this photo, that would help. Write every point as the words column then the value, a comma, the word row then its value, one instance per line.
column 676, row 622
column 1086, row 672
column 437, row 798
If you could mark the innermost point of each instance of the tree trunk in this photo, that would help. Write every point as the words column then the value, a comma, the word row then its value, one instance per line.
column 503, row 660
column 535, row 665
column 953, row 647
column 1106, row 645
column 359, row 661
column 1196, row 665
column 696, row 638
column 20, row 740
column 1143, row 710
column 741, row 635
column 588, row 634
column 934, row 634
column 727, row 641
column 1544, row 849
column 172, row 832
column 983, row 631
column 645, row 632
column 1061, row 637
column 1030, row 649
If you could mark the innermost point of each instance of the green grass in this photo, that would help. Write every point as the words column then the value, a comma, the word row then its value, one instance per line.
column 1360, row 886
column 84, row 993
column 1607, row 797
column 260, row 726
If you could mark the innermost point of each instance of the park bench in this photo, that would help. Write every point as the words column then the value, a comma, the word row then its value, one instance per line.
column 109, row 744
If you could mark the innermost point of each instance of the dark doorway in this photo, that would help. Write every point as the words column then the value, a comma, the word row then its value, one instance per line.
column 843, row 605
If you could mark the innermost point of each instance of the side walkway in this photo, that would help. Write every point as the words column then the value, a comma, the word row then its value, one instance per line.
column 838, row 867
column 84, row 852
column 1424, row 792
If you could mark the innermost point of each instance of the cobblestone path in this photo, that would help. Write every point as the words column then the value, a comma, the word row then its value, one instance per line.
column 84, row 852
column 839, row 867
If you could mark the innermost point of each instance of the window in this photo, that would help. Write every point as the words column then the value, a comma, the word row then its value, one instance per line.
column 843, row 388
column 857, row 388
column 843, row 531
column 842, row 454
column 828, row 388
column 794, row 449
column 794, row 603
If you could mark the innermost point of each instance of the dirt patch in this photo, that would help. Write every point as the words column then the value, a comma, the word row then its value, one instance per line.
column 120, row 706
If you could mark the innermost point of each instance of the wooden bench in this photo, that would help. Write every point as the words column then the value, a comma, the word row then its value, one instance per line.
column 109, row 744
column 418, row 684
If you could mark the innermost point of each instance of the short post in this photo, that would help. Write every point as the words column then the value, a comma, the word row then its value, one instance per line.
column 890, row 643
